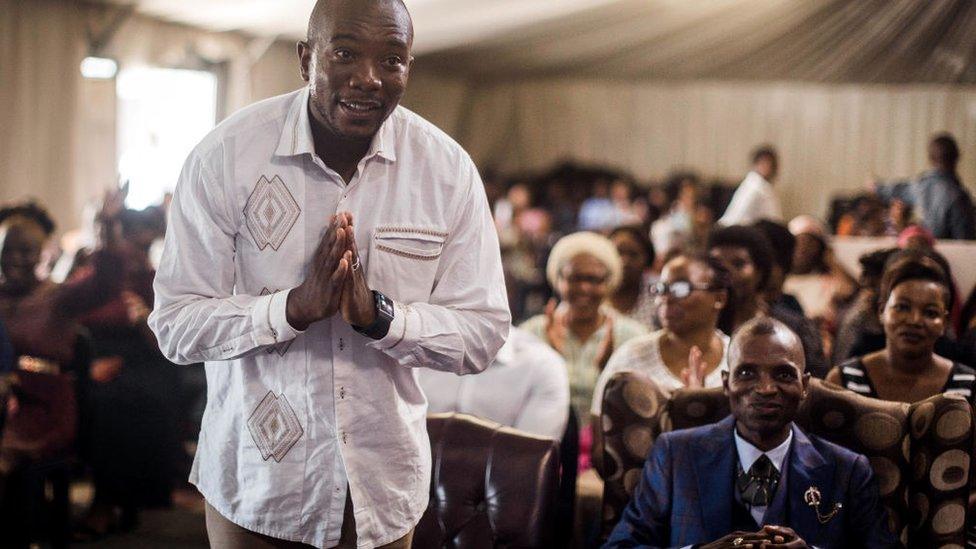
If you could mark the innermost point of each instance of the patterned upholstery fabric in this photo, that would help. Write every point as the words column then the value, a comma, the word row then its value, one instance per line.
column 631, row 415
column 919, row 452
column 491, row 486
column 941, row 488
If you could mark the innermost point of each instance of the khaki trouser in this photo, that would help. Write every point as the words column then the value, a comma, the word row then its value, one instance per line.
column 224, row 534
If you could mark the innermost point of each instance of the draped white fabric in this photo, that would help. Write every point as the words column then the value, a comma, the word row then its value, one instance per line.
column 647, row 85
column 892, row 41
column 814, row 40
column 831, row 137
column 40, row 51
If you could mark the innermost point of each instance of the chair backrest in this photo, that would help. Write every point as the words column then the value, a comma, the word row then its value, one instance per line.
column 491, row 486
column 922, row 472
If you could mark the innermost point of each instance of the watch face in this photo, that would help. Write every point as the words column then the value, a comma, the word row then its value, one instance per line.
column 385, row 305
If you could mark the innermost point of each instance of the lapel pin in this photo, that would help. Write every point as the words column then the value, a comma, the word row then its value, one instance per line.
column 812, row 498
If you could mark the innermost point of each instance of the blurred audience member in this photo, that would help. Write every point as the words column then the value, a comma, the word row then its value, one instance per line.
column 526, row 387
column 745, row 253
column 7, row 355
column 584, row 268
column 943, row 202
column 133, row 414
column 967, row 338
column 695, row 300
column 516, row 200
column 900, row 215
column 676, row 229
column 915, row 301
column 598, row 212
column 621, row 193
column 783, row 246
column 755, row 198
column 561, row 206
column 41, row 319
column 916, row 237
column 632, row 297
column 868, row 340
column 866, row 217
column 821, row 285
column 862, row 316
column 524, row 249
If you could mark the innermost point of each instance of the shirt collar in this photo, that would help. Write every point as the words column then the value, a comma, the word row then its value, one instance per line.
column 296, row 134
column 748, row 454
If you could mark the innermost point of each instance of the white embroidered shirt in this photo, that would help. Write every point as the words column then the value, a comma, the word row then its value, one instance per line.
column 293, row 418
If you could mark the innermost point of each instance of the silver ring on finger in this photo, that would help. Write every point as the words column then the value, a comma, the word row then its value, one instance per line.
column 356, row 265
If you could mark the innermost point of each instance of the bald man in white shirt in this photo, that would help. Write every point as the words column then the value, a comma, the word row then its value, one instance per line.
column 322, row 245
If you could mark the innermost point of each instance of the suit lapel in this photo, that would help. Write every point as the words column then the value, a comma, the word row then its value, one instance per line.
column 714, row 467
column 808, row 469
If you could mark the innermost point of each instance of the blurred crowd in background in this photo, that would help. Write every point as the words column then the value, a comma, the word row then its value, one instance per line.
column 593, row 259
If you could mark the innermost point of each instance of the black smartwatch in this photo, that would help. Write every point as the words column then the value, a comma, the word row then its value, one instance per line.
column 384, row 316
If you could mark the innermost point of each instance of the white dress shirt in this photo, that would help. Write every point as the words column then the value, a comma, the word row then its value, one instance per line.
column 526, row 387
column 748, row 454
column 642, row 355
column 292, row 417
column 752, row 201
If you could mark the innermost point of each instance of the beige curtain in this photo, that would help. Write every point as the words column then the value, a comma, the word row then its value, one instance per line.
column 831, row 137
column 57, row 143
column 41, row 48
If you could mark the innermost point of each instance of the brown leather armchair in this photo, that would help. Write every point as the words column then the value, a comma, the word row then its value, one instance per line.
column 491, row 486
column 920, row 453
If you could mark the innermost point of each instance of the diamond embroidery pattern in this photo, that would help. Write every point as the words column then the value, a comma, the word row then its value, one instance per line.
column 271, row 211
column 274, row 427
column 280, row 348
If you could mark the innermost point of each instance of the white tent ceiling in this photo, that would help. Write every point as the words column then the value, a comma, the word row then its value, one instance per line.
column 439, row 24
column 885, row 41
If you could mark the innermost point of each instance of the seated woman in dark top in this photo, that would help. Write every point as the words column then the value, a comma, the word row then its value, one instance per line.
column 914, row 306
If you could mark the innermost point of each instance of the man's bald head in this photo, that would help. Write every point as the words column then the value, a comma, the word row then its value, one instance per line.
column 327, row 12
column 357, row 65
column 766, row 381
column 772, row 330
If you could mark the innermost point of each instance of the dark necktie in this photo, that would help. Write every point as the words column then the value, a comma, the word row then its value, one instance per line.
column 758, row 485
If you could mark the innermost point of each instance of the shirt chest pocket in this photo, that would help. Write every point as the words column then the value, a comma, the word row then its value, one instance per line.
column 403, row 261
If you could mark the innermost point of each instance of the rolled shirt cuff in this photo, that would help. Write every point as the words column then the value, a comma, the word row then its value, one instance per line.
column 404, row 330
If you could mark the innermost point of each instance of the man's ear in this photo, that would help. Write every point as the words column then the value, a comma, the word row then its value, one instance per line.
column 725, row 382
column 806, row 383
column 304, row 58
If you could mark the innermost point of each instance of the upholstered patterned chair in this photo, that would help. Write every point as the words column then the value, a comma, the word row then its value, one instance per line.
column 491, row 486
column 921, row 454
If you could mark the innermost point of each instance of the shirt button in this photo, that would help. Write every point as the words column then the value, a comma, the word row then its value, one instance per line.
column 344, row 441
column 342, row 344
column 342, row 392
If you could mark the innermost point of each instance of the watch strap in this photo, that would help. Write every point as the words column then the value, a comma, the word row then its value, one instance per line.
column 384, row 317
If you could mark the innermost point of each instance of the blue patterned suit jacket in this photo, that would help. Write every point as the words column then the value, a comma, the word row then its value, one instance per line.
column 685, row 493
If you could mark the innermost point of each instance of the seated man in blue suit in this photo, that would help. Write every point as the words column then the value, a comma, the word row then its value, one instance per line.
column 755, row 479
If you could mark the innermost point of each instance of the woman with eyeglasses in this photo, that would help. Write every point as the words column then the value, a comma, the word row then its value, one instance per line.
column 914, row 308
column 694, row 303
